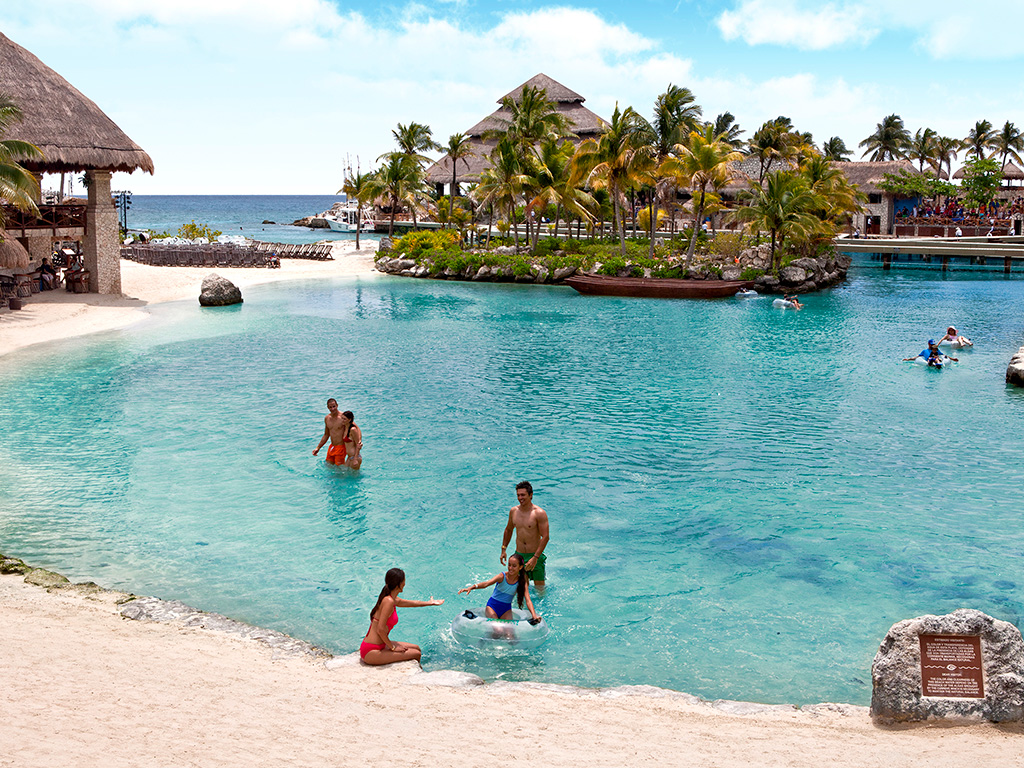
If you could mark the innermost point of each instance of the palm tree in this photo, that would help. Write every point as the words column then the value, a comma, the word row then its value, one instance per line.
column 698, row 164
column 784, row 206
column 837, row 197
column 617, row 161
column 835, row 149
column 1009, row 142
column 398, row 181
column 414, row 139
column 502, row 183
column 532, row 117
column 459, row 148
column 980, row 138
column 555, row 183
column 773, row 141
column 889, row 141
column 357, row 186
column 728, row 130
column 922, row 147
column 946, row 148
column 17, row 185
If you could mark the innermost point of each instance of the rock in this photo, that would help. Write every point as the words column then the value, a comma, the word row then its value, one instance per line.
column 483, row 273
column 314, row 223
column 563, row 272
column 596, row 269
column 731, row 273
column 505, row 250
column 13, row 565
column 404, row 264
column 897, row 695
column 420, row 271
column 540, row 273
column 812, row 266
column 43, row 578
column 268, row 221
column 792, row 275
column 527, row 278
column 218, row 291
column 1015, row 370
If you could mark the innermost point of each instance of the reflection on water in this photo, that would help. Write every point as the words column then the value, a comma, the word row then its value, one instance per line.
column 742, row 499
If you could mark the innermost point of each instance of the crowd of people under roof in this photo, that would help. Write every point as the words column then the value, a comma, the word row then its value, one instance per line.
column 997, row 214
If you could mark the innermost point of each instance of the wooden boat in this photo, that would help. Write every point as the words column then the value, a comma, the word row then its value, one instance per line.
column 656, row 288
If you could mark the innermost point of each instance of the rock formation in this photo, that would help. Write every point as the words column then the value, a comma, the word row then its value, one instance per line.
column 218, row 291
column 897, row 694
column 1015, row 370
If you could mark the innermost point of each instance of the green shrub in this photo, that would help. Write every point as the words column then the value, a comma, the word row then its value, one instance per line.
column 192, row 231
column 751, row 274
column 727, row 244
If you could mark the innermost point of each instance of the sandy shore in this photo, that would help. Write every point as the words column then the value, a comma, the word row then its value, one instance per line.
column 54, row 315
column 84, row 686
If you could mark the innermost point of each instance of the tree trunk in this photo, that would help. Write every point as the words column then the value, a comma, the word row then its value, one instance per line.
column 620, row 224
column 693, row 235
column 490, row 219
column 359, row 223
column 391, row 225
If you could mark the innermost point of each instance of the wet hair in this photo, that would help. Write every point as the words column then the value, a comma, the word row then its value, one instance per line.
column 351, row 421
column 525, row 485
column 331, row 400
column 521, row 584
column 392, row 580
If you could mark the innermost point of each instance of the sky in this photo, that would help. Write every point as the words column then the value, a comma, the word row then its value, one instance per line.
column 279, row 96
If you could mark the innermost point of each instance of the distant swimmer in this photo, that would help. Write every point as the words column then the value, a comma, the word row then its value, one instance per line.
column 334, row 430
column 530, row 524
column 353, row 441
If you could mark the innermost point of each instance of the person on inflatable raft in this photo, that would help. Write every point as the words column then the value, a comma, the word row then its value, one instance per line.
column 507, row 586
column 933, row 356
column 955, row 340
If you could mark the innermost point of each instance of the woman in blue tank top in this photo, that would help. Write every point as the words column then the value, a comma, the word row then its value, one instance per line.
column 506, row 586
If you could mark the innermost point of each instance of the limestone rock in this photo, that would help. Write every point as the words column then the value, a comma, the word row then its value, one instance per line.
column 218, row 291
column 43, row 578
column 897, row 697
column 385, row 245
column 792, row 275
column 731, row 273
column 1015, row 370
column 563, row 272
column 483, row 273
column 540, row 273
column 13, row 565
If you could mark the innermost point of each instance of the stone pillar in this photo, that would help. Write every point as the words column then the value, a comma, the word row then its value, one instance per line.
column 102, row 241
column 38, row 247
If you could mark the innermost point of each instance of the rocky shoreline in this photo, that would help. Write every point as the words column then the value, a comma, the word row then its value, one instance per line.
column 799, row 276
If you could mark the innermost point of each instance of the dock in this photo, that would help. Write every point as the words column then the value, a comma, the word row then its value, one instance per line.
column 1006, row 253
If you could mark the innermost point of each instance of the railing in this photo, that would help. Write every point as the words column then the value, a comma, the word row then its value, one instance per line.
column 50, row 217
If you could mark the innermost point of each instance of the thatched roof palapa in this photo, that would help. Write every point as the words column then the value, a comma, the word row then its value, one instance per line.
column 12, row 253
column 868, row 174
column 584, row 123
column 73, row 133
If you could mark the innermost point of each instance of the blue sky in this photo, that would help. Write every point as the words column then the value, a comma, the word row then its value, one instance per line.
column 272, row 97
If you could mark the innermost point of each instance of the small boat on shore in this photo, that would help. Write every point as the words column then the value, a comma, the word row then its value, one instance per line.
column 346, row 219
column 656, row 288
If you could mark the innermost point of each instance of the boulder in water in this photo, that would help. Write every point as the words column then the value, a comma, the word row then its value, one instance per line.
column 218, row 291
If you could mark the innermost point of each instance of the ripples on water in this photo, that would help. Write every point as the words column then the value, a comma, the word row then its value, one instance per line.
column 743, row 499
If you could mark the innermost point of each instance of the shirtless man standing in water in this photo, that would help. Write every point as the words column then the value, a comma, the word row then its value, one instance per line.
column 530, row 523
column 334, row 430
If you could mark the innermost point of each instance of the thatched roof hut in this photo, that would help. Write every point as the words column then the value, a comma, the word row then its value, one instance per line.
column 584, row 123
column 73, row 133
column 867, row 175
column 1010, row 172
column 12, row 253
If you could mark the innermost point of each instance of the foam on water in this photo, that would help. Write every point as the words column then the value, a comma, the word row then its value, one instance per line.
column 742, row 499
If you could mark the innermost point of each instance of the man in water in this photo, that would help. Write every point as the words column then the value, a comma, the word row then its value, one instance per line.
column 530, row 523
column 334, row 430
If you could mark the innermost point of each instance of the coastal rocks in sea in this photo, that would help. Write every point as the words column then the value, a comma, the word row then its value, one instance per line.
column 897, row 689
column 1015, row 370
column 562, row 273
column 804, row 275
column 313, row 222
column 218, row 291
column 174, row 612
column 13, row 565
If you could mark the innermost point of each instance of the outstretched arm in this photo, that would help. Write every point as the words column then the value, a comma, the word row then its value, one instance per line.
column 483, row 584
column 529, row 602
column 403, row 603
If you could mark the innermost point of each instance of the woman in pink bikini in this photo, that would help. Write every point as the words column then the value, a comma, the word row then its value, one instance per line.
column 378, row 648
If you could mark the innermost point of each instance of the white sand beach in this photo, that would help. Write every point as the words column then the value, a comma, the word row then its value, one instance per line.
column 54, row 315
column 84, row 686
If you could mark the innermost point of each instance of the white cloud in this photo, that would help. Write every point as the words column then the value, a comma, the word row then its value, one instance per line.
column 783, row 23
column 944, row 29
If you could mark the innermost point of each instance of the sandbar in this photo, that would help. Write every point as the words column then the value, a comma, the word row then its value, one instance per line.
column 55, row 315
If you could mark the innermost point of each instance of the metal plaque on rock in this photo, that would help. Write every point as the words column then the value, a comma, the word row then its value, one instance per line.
column 951, row 667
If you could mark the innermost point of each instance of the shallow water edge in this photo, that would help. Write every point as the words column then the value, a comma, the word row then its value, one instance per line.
column 148, row 608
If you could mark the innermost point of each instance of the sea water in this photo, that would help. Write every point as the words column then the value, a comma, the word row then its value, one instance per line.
column 742, row 499
column 267, row 218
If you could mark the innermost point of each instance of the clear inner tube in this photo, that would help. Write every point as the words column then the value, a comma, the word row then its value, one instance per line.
column 475, row 629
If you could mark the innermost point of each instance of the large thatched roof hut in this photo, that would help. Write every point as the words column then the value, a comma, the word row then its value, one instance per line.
column 584, row 123
column 74, row 135
column 1010, row 173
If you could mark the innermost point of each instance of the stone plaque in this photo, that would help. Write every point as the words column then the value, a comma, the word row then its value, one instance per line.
column 951, row 667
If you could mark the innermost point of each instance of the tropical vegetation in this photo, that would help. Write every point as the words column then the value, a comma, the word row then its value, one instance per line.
column 18, row 187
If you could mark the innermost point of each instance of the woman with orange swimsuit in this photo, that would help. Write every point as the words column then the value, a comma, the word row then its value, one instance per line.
column 378, row 648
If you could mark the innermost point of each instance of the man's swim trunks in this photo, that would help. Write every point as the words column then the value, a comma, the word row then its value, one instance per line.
column 537, row 574
column 336, row 454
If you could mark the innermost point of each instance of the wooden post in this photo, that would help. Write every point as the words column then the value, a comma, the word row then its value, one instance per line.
column 945, row 263
column 1006, row 264
column 886, row 261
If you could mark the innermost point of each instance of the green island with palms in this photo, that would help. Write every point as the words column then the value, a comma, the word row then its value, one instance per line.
column 671, row 196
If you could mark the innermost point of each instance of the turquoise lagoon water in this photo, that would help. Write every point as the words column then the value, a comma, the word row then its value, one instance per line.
column 742, row 499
